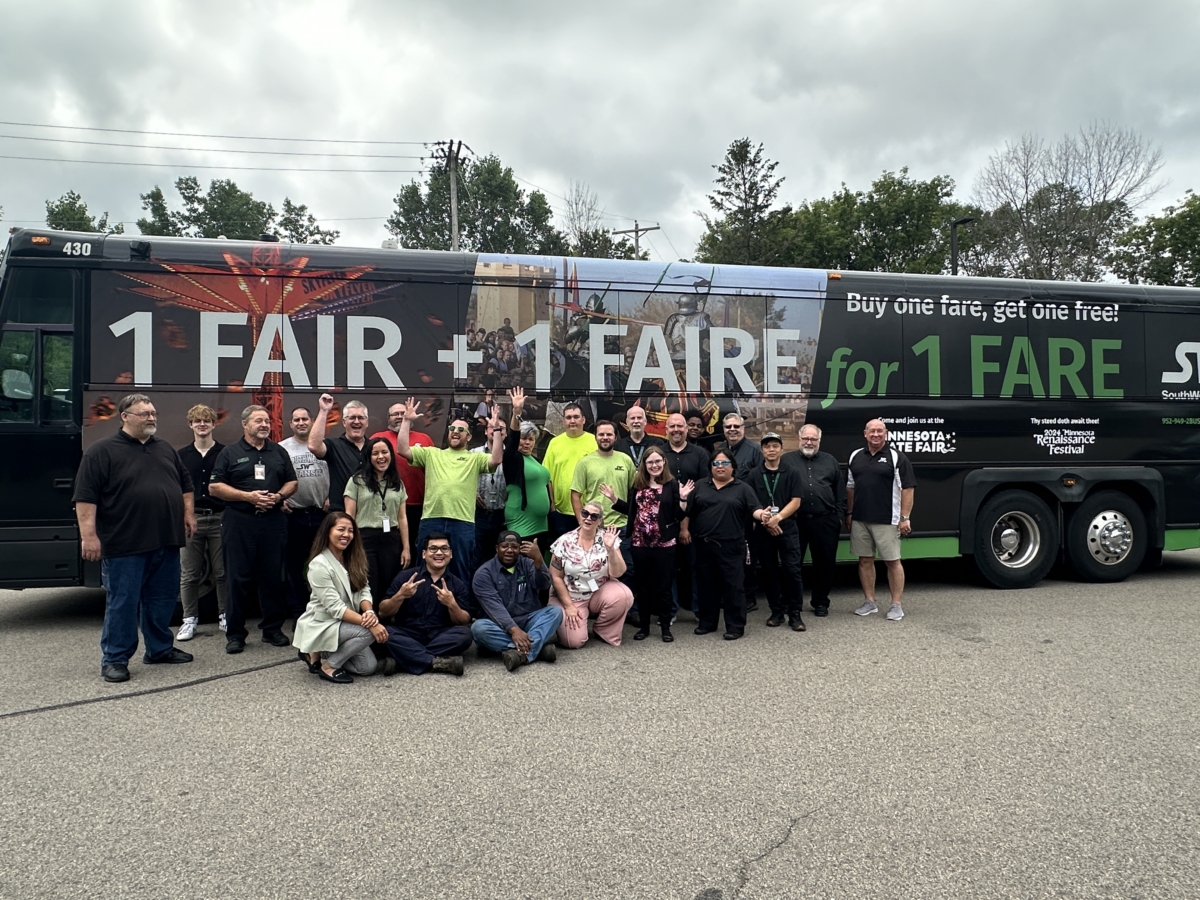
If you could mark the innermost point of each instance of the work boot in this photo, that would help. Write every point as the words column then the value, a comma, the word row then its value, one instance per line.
column 548, row 653
column 513, row 659
column 451, row 665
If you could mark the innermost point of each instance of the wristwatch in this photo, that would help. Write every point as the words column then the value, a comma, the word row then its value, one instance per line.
column 904, row 518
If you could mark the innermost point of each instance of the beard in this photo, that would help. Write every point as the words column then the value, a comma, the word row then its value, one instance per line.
column 809, row 452
column 148, row 430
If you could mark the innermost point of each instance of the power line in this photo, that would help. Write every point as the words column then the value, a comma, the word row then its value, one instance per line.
column 226, row 137
column 105, row 162
column 22, row 137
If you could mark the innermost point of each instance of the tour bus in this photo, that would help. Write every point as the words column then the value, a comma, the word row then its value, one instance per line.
column 1046, row 421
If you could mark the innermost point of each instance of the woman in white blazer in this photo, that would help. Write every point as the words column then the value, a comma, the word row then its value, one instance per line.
column 334, row 634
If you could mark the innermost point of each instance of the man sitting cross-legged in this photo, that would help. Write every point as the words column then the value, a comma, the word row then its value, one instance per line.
column 427, row 628
column 508, row 590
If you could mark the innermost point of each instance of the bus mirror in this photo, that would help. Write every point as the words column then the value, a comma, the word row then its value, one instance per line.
column 16, row 385
column 139, row 249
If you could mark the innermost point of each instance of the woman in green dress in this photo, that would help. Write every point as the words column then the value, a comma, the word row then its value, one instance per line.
column 530, row 497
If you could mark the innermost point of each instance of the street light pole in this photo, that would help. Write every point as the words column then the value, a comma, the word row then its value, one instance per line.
column 965, row 220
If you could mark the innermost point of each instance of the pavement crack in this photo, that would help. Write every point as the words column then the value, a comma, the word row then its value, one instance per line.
column 743, row 876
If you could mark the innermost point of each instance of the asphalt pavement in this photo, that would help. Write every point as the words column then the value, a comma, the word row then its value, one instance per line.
column 1037, row 744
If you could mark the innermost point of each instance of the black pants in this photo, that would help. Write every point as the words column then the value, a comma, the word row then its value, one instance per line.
column 779, row 570
column 654, row 568
column 721, row 568
column 383, row 559
column 254, row 549
column 488, row 525
column 820, row 534
column 412, row 512
column 415, row 649
column 302, row 528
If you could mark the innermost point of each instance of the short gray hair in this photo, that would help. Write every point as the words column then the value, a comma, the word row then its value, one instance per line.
column 529, row 429
column 251, row 410
column 729, row 417
column 355, row 404
column 820, row 433
column 131, row 400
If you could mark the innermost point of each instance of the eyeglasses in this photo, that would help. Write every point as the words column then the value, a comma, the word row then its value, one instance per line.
column 809, row 440
column 721, row 463
column 454, row 429
column 142, row 415
column 355, row 418
column 585, row 514
column 516, row 544
column 440, row 551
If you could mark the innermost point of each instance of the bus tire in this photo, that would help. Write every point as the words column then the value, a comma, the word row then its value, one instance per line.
column 1016, row 539
column 1107, row 537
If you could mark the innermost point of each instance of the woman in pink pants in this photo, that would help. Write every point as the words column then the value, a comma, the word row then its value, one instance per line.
column 585, row 565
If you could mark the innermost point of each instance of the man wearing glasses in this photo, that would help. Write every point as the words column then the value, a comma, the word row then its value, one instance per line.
column 424, row 613
column 343, row 453
column 822, row 509
column 516, row 622
column 451, row 481
column 133, row 499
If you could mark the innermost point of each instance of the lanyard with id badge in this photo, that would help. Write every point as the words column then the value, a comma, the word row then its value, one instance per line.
column 770, row 486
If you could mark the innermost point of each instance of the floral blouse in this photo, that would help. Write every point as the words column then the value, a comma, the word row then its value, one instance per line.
column 584, row 569
column 645, row 525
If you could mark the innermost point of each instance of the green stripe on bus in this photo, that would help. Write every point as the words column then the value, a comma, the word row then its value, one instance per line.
column 1182, row 539
column 917, row 548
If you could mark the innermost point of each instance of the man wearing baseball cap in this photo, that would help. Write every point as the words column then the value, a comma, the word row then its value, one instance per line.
column 509, row 589
column 776, row 542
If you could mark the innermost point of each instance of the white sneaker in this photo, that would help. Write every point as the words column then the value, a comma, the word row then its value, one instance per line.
column 867, row 609
column 187, row 630
column 221, row 622
column 895, row 613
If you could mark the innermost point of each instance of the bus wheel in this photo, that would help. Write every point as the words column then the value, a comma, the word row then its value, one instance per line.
column 1106, row 537
column 1016, row 539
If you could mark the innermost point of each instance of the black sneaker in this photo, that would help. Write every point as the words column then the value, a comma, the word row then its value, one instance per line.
column 776, row 620
column 751, row 605
column 548, row 653
column 820, row 611
column 115, row 672
column 797, row 624
column 235, row 645
column 276, row 638
column 172, row 656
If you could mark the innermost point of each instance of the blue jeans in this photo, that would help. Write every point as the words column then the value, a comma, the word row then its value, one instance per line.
column 142, row 589
column 541, row 624
column 462, row 545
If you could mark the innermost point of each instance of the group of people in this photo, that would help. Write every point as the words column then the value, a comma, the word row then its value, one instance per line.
column 391, row 553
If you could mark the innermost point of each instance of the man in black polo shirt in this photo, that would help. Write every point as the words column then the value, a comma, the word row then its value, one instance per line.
column 687, row 462
column 879, row 492
column 342, row 453
column 637, row 441
column 254, row 476
column 776, row 543
column 822, row 510
column 133, row 500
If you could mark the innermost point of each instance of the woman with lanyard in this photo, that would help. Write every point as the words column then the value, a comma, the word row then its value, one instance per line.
column 530, row 494
column 653, row 528
column 375, row 497
column 720, row 512
column 339, row 626
column 585, row 566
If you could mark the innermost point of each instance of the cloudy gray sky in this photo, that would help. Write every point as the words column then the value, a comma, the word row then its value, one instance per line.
column 636, row 99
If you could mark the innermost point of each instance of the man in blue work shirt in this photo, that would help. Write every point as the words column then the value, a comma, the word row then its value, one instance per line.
column 508, row 589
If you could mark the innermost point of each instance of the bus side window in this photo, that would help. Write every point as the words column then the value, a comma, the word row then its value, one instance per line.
column 57, row 396
column 39, row 297
column 16, row 376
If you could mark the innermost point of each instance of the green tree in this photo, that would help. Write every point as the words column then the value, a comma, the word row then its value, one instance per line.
column 225, row 210
column 70, row 213
column 743, row 229
column 495, row 216
column 1163, row 249
column 1054, row 211
column 299, row 226
column 160, row 221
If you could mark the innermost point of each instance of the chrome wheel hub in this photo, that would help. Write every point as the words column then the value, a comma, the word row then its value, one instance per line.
column 1109, row 537
column 1016, row 539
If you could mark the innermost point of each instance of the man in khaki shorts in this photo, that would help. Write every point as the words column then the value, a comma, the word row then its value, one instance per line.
column 879, row 495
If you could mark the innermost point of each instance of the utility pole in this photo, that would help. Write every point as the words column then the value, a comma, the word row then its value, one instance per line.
column 451, row 151
column 637, row 231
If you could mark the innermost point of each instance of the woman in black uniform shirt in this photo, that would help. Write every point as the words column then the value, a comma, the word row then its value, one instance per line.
column 721, row 510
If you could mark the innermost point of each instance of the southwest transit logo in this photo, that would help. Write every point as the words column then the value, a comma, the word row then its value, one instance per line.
column 1183, row 351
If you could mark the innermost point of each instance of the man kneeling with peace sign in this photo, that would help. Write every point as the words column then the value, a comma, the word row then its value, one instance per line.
column 427, row 626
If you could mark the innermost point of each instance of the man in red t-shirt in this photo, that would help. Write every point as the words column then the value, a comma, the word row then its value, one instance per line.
column 412, row 476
